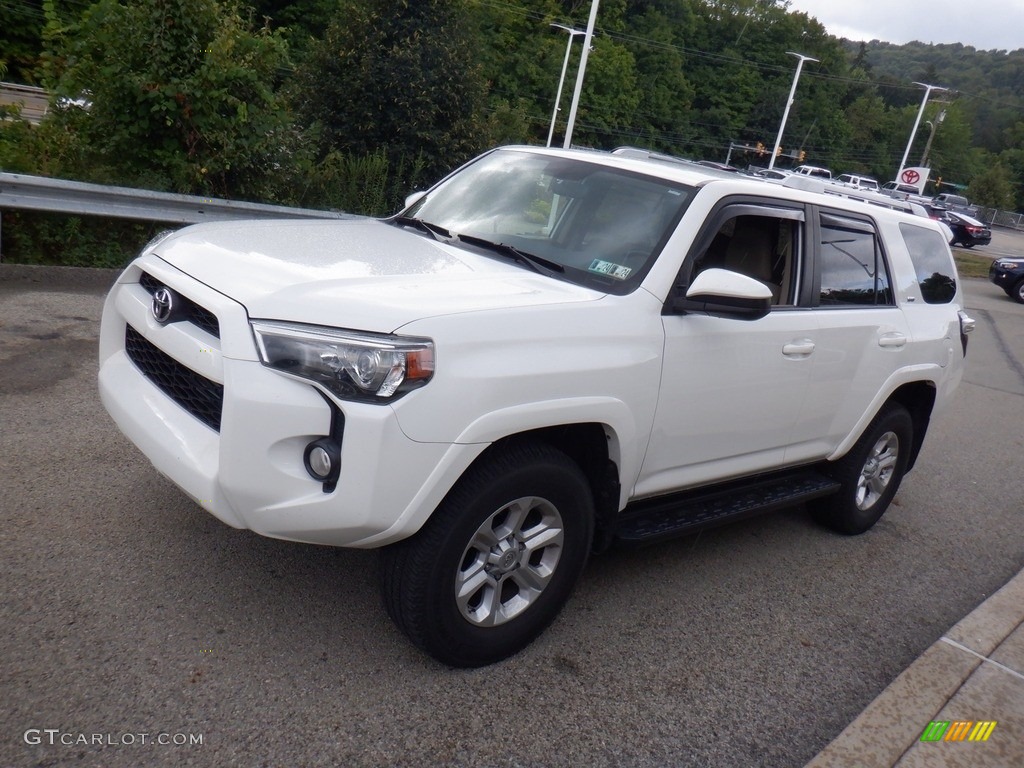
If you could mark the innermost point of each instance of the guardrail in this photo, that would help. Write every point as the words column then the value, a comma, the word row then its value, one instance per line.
column 38, row 193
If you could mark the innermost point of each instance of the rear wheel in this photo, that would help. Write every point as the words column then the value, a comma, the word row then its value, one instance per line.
column 497, row 560
column 869, row 475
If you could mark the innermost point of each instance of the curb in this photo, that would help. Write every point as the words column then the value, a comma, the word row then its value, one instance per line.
column 892, row 724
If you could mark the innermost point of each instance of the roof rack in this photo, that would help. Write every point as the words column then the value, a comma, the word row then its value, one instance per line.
column 811, row 184
column 639, row 153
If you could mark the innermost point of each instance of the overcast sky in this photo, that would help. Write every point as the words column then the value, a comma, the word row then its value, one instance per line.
column 985, row 24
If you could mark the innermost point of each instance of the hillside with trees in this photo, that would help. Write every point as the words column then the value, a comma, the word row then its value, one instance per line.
column 352, row 103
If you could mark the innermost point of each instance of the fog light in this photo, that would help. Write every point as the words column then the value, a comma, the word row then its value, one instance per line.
column 323, row 461
column 320, row 462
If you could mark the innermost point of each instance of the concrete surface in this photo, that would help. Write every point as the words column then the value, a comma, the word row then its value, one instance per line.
column 974, row 673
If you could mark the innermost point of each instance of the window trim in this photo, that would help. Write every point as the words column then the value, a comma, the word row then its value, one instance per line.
column 854, row 222
column 746, row 205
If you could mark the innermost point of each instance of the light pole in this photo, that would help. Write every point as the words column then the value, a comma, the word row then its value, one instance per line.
column 561, row 80
column 927, row 92
column 579, row 75
column 789, row 103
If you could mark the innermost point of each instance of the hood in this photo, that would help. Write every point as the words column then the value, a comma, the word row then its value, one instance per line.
column 361, row 274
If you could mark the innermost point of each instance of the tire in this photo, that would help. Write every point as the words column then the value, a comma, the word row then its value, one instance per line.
column 869, row 475
column 1017, row 292
column 497, row 560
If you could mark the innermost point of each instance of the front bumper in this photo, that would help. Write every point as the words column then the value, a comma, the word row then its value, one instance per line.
column 1005, row 278
column 251, row 474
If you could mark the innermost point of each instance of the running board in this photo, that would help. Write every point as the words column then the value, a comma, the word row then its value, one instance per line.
column 668, row 516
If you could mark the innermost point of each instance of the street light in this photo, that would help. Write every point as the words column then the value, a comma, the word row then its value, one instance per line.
column 579, row 75
column 788, row 103
column 561, row 80
column 927, row 92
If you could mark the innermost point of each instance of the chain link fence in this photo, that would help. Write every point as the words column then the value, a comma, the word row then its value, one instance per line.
column 995, row 218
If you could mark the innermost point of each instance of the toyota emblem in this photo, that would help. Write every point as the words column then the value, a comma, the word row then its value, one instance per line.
column 163, row 305
column 911, row 176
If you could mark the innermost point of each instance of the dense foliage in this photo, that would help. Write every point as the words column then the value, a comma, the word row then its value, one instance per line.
column 352, row 103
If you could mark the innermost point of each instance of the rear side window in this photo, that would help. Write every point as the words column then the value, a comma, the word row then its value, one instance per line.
column 932, row 263
column 852, row 268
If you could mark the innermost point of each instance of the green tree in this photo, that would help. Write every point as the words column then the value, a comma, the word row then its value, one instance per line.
column 21, row 27
column 172, row 94
column 992, row 188
column 397, row 76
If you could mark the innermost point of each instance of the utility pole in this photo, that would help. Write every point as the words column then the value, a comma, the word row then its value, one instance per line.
column 928, row 147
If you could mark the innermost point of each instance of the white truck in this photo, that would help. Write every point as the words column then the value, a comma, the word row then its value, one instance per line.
column 547, row 353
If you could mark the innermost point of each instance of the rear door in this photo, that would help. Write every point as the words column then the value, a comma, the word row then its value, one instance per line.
column 862, row 336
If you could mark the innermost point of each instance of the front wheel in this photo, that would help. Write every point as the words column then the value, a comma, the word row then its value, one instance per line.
column 869, row 475
column 1017, row 292
column 497, row 560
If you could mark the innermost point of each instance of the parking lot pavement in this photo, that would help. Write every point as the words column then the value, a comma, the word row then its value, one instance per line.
column 969, row 683
column 131, row 616
column 1005, row 242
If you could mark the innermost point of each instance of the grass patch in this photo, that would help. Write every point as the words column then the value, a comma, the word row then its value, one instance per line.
column 970, row 264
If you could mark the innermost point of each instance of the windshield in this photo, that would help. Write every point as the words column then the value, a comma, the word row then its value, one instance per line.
column 598, row 226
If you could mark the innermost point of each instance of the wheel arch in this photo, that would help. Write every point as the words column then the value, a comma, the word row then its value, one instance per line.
column 594, row 448
column 919, row 399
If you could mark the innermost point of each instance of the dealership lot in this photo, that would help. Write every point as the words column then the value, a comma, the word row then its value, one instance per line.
column 129, row 612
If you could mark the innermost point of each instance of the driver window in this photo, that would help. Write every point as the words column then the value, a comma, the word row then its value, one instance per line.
column 761, row 247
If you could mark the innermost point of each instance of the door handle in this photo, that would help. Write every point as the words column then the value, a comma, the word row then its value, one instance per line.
column 798, row 348
column 893, row 339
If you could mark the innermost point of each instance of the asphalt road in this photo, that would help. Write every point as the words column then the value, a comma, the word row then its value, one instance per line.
column 129, row 615
column 1005, row 242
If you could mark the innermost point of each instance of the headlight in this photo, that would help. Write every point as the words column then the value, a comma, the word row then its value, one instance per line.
column 1008, row 265
column 353, row 366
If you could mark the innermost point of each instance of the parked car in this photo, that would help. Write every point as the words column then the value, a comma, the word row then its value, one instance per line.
column 858, row 182
column 773, row 174
column 547, row 353
column 813, row 170
column 907, row 192
column 898, row 190
column 1008, row 274
column 966, row 230
column 951, row 202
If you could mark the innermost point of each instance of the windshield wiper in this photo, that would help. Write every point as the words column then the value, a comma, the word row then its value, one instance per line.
column 536, row 263
column 438, row 233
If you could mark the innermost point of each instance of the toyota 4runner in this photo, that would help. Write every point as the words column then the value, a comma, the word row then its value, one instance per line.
column 545, row 354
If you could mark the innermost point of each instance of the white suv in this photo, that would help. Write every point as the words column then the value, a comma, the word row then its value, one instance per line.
column 547, row 353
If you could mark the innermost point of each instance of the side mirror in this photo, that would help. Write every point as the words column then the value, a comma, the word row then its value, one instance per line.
column 413, row 198
column 723, row 293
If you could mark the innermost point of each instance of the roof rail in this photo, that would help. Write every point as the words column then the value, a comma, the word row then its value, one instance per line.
column 811, row 184
column 639, row 153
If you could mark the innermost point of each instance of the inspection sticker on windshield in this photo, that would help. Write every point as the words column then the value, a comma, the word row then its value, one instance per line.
column 617, row 271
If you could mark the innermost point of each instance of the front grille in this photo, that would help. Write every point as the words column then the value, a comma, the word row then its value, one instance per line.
column 195, row 393
column 193, row 313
